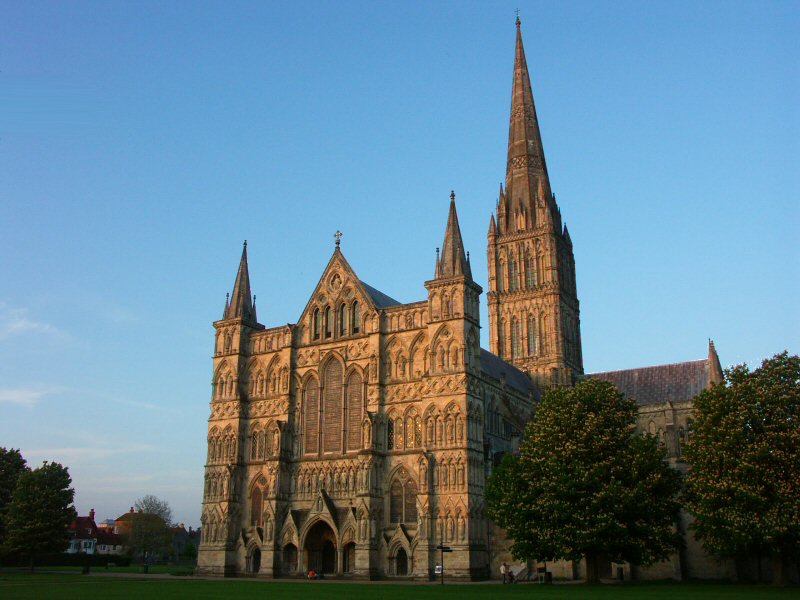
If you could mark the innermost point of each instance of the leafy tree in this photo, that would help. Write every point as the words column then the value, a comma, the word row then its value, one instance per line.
column 40, row 512
column 585, row 485
column 12, row 465
column 149, row 535
column 744, row 482
column 152, row 505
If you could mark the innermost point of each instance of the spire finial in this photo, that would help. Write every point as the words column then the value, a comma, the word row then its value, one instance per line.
column 518, row 22
column 338, row 237
column 245, row 243
column 452, row 196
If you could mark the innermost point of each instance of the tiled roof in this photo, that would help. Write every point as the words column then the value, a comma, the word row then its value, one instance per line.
column 380, row 299
column 677, row 382
column 496, row 367
column 109, row 538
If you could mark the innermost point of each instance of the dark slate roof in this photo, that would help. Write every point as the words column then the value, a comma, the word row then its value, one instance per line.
column 496, row 367
column 380, row 299
column 677, row 382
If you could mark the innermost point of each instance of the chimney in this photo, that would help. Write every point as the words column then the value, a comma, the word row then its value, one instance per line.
column 131, row 509
column 91, row 514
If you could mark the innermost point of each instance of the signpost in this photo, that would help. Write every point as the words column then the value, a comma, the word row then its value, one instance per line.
column 440, row 567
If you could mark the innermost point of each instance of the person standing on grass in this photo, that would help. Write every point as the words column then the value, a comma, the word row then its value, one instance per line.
column 504, row 571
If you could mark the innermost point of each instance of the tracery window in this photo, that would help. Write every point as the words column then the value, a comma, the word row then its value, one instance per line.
column 390, row 435
column 403, row 500
column 328, row 322
column 533, row 337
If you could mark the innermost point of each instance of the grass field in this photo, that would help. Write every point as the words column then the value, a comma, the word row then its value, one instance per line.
column 46, row 586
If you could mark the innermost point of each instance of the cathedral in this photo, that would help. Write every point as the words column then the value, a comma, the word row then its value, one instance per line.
column 358, row 440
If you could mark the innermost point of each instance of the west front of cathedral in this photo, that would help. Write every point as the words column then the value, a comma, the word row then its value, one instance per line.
column 359, row 439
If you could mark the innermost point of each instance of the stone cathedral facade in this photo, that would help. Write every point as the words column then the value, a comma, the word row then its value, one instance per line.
column 356, row 440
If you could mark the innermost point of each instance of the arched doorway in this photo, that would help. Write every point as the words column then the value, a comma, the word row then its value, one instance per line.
column 320, row 549
column 289, row 558
column 255, row 561
column 349, row 558
column 401, row 562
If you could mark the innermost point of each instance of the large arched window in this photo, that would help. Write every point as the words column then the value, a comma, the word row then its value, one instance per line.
column 354, row 405
column 390, row 435
column 311, row 417
column 315, row 324
column 356, row 317
column 342, row 319
column 328, row 322
column 332, row 407
column 255, row 507
column 403, row 499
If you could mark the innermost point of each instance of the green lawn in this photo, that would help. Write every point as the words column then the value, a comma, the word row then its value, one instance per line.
column 25, row 585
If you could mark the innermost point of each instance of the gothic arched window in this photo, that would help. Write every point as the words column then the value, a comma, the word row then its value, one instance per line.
column 501, row 338
column 530, row 273
column 410, row 502
column 354, row 407
column 533, row 337
column 396, row 502
column 315, row 323
column 356, row 317
column 513, row 275
column 311, row 417
column 515, row 341
column 328, row 322
column 403, row 500
column 332, row 407
column 390, row 435
column 342, row 319
column 255, row 507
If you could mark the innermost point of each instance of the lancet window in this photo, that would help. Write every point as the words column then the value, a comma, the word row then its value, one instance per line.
column 311, row 417
column 515, row 338
column 356, row 317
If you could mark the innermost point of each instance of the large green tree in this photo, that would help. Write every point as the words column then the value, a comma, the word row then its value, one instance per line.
column 585, row 485
column 40, row 512
column 149, row 536
column 12, row 465
column 744, row 482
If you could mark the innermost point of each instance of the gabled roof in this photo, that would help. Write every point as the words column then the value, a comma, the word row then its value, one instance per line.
column 380, row 299
column 677, row 382
column 108, row 538
column 494, row 366
column 373, row 297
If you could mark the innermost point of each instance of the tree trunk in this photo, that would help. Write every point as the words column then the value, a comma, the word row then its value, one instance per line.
column 592, row 572
column 778, row 570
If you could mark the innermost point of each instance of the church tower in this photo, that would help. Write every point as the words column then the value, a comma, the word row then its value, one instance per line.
column 534, row 319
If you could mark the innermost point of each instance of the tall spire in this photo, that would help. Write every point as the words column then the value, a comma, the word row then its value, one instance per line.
column 453, row 261
column 241, row 305
column 526, row 170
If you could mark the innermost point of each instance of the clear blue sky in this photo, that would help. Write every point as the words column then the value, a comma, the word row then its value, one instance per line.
column 141, row 142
